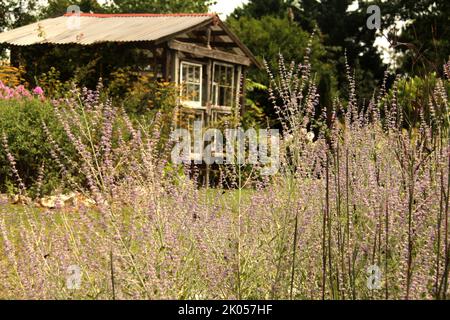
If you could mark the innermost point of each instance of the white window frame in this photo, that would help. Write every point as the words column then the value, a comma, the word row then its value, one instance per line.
column 193, row 104
column 190, row 127
column 216, row 97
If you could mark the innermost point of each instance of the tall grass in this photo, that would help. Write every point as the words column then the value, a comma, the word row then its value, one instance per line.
column 366, row 192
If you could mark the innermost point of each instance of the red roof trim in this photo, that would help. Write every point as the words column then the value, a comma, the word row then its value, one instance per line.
column 130, row 15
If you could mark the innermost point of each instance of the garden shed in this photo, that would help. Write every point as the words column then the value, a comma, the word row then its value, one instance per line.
column 196, row 51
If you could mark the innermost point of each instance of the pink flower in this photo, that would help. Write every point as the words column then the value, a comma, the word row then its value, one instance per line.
column 38, row 91
column 20, row 92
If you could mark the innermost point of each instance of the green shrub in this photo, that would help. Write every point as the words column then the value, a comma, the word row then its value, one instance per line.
column 21, row 121
column 52, row 85
column 45, row 158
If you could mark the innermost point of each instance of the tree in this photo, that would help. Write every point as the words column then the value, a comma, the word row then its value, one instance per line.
column 159, row 6
column 342, row 33
column 57, row 8
column 16, row 13
column 260, row 8
column 424, row 43
column 345, row 33
column 268, row 37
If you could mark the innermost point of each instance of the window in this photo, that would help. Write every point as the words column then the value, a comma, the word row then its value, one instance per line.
column 223, row 85
column 191, row 80
column 195, row 124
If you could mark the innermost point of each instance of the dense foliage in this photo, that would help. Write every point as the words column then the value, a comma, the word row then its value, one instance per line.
column 365, row 197
column 359, row 208
column 270, row 36
column 423, row 43
column 24, row 137
column 420, row 48
column 32, row 132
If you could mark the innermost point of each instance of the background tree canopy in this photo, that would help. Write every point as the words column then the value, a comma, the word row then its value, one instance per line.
column 270, row 36
column 422, row 47
column 58, row 7
column 16, row 13
column 341, row 32
column 158, row 6
column 268, row 28
column 424, row 43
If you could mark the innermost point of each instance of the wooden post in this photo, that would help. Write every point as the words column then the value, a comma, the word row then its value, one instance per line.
column 155, row 64
column 208, row 36
column 167, row 68
column 208, row 90
column 243, row 90
column 175, row 67
column 174, row 75
column 208, row 169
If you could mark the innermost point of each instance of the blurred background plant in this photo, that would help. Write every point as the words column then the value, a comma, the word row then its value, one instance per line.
column 11, row 76
column 418, row 95
column 51, row 83
column 21, row 125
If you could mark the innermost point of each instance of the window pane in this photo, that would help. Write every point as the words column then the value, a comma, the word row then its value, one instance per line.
column 222, row 96
column 194, row 92
column 184, row 72
column 223, row 85
column 192, row 82
column 197, row 78
column 228, row 97
column 199, row 116
column 188, row 95
column 191, row 74
column 216, row 73
column 223, row 79
column 230, row 76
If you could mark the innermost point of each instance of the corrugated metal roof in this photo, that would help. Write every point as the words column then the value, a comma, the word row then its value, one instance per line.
column 98, row 28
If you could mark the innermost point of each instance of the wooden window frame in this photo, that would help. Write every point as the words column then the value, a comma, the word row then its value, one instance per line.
column 192, row 104
column 215, row 97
